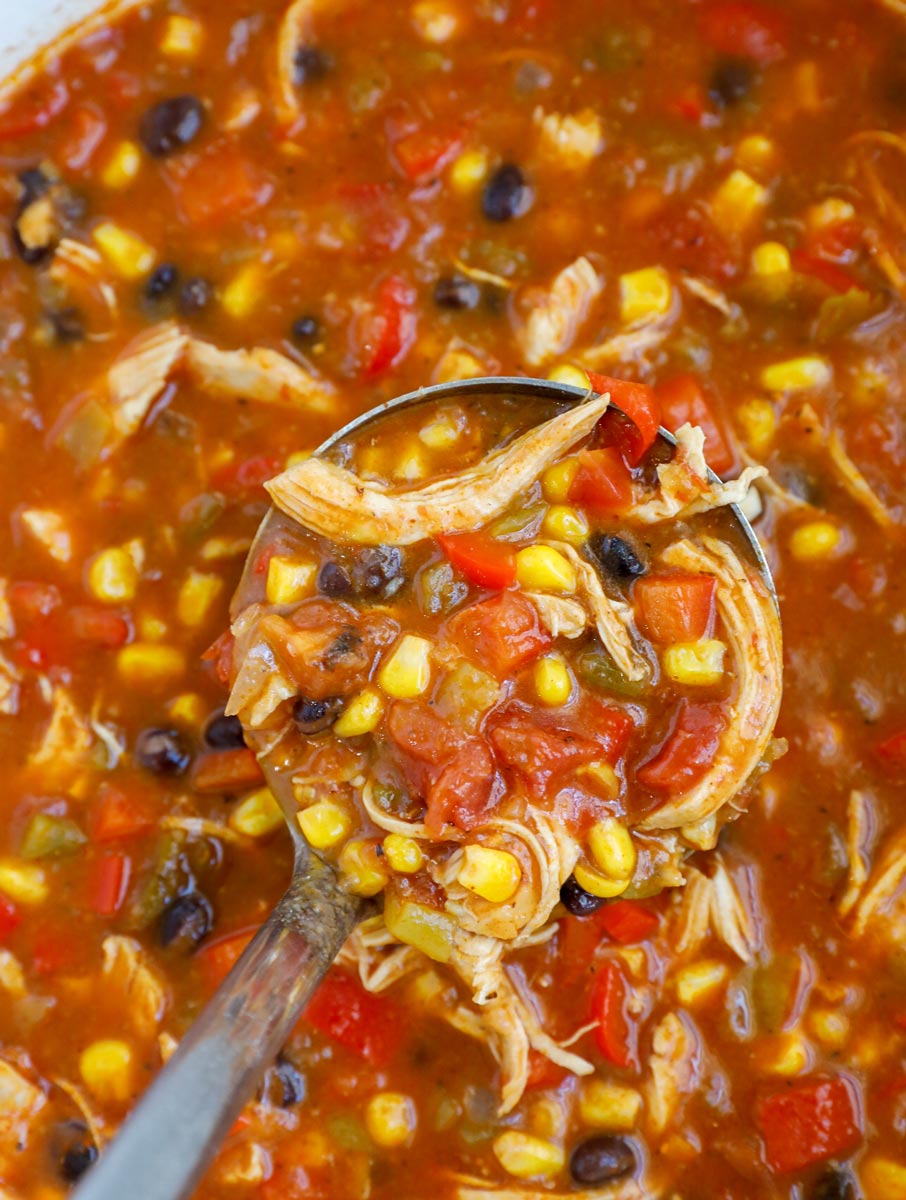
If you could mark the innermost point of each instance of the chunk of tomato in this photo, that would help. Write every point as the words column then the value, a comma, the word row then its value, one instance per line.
column 217, row 186
column 420, row 732
column 33, row 109
column 10, row 917
column 893, row 749
column 424, row 152
column 809, row 1122
column 464, row 790
column 216, row 959
column 627, row 921
column 615, row 1033
column 483, row 560
column 368, row 1025
column 640, row 405
column 98, row 626
column 227, row 771
column 675, row 608
column 388, row 331
column 746, row 29
column 119, row 814
column 220, row 653
column 501, row 633
column 87, row 129
column 602, row 482
column 683, row 401
column 688, row 750
column 538, row 751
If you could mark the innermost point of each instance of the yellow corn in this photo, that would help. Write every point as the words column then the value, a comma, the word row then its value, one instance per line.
column 112, row 576
column 429, row 930
column 188, row 708
column 49, row 529
column 612, row 849
column 290, row 580
column 528, row 1157
column 437, row 21
column 257, row 815
column 541, row 568
column 566, row 373
column 297, row 456
column 182, row 37
column 797, row 374
column 552, row 680
column 695, row 664
column 361, row 868
column 244, row 292
column 440, row 433
column 603, row 778
column 815, row 541
column 406, row 672
column 122, row 166
column 128, row 254
column 557, row 480
column 426, row 988
column 758, row 422
column 106, row 1070
column 458, row 364
column 24, row 882
column 390, row 1119
column 645, row 294
column 144, row 663
column 197, row 597
column 492, row 874
column 404, row 854
column 737, row 204
column 604, row 1105
column 830, row 1027
column 599, row 885
column 324, row 824
column 361, row 715
column 789, row 1056
column 469, row 170
column 411, row 466
column 883, row 1179
column 757, row 155
column 565, row 524
column 770, row 258
column 832, row 211
column 151, row 627
column 700, row 980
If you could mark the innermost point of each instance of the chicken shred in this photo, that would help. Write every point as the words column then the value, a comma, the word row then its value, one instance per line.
column 557, row 313
column 571, row 140
column 714, row 904
column 674, row 1069
column 128, row 973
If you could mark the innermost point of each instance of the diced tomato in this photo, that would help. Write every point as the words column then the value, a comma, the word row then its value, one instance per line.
column 247, row 475
column 602, row 482
column 33, row 110
column 463, row 792
column 640, row 404
column 687, row 751
column 542, row 1073
column 483, row 560
column 30, row 600
column 374, row 216
column 425, row 152
column 220, row 653
column 627, row 921
column 109, row 883
column 421, row 732
column 53, row 950
column 611, row 727
column 119, row 815
column 690, row 104
column 809, row 1122
column 538, row 750
column 98, row 626
column 370, row 1026
column 217, row 958
column 218, row 185
column 827, row 272
column 893, row 749
column 836, row 241
column 387, row 333
column 675, row 608
column 45, row 638
column 692, row 243
column 682, row 400
column 501, row 633
column 746, row 29
column 615, row 1034
column 10, row 917
column 227, row 771
column 87, row 129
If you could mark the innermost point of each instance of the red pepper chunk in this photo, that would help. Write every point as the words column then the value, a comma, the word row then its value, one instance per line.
column 33, row 110
column 615, row 1034
column 746, row 29
column 109, row 884
column 640, row 404
column 825, row 271
column 676, row 608
column 627, row 921
column 687, row 751
column 683, row 402
column 425, row 152
column 217, row 186
column 10, row 917
column 119, row 815
column 602, row 483
column 388, row 331
column 893, row 749
column 483, row 560
column 98, row 627
column 370, row 1026
column 218, row 958
column 502, row 633
column 227, row 771
column 809, row 1123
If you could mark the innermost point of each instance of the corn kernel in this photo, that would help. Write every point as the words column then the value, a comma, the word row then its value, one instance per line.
column 324, row 824
column 789, row 1055
column 566, row 373
column 645, row 294
column 362, row 871
column 770, row 258
column 122, row 166
column 700, row 980
column 257, row 815
column 832, row 211
column 458, row 364
column 737, row 204
column 544, row 569
column 111, row 576
column 427, row 929
column 289, row 580
column 599, row 885
column 24, row 882
column 815, row 541
column 411, row 466
column 609, row 1106
column 758, row 422
column 552, row 680
column 426, row 988
column 128, row 254
column 695, row 664
column 197, row 597
column 830, row 1027
column 390, row 1119
column 603, row 778
column 883, row 1179
column 406, row 672
column 557, row 480
column 297, row 457
column 404, row 854
column 188, row 708
column 151, row 627
column 244, row 292
column 565, row 524
column 361, row 715
column 494, row 875
column 797, row 374
column 612, row 848
column 437, row 21
column 106, row 1069
column 528, row 1157
column 469, row 170
column 440, row 433
column 146, row 663
column 757, row 155
column 182, row 37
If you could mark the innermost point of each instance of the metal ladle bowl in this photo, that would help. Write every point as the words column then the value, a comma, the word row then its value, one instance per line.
column 175, row 1130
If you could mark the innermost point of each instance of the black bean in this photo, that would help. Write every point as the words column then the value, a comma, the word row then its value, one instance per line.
column 576, row 900
column 171, row 124
column 313, row 716
column 835, row 1183
column 291, row 1081
column 506, row 194
column 185, row 922
column 455, row 291
column 310, row 63
column 67, row 325
column 601, row 1159
column 305, row 329
column 195, row 295
column 731, row 81
column 162, row 751
column 34, row 183
column 74, row 1149
column 333, row 580
column 161, row 281
column 378, row 571
column 617, row 558
column 224, row 733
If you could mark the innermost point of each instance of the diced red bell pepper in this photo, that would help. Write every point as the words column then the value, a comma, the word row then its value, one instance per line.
column 627, row 921
column 387, row 333
column 640, row 405
column 33, row 110
column 893, row 749
column 371, row 1026
column 682, row 401
column 109, row 883
column 87, row 129
column 227, row 771
column 615, row 1033
column 687, row 751
column 375, row 216
column 425, row 152
column 542, row 1073
column 10, row 917
column 119, row 815
column 216, row 959
column 216, row 186
column 746, row 29
column 503, row 633
column 675, row 608
column 825, row 271
column 602, row 483
column 98, row 626
column 483, row 560
column 692, row 243
column 220, row 653
column 463, row 791
column 247, row 475
column 809, row 1122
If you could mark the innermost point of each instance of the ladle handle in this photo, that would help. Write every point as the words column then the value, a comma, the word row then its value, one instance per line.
column 168, row 1141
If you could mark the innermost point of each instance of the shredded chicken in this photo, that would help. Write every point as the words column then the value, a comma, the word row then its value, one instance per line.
column 296, row 32
column 66, row 741
column 859, row 824
column 857, row 485
column 7, row 624
column 714, row 904
column 49, row 530
column 561, row 616
column 674, row 1068
column 12, row 977
column 879, row 892
column 630, row 346
column 556, row 314
column 247, row 1163
column 10, row 679
column 127, row 972
column 20, row 1102
column 571, row 140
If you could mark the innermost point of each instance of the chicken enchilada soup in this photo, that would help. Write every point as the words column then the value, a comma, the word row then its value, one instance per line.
column 628, row 937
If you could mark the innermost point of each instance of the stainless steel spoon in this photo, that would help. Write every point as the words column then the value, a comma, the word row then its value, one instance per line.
column 175, row 1130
